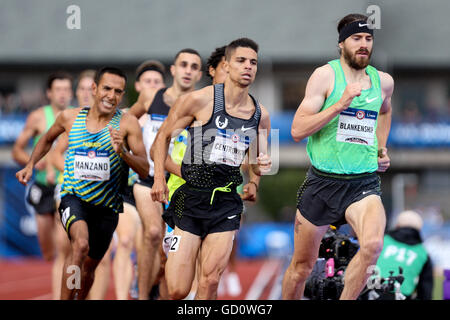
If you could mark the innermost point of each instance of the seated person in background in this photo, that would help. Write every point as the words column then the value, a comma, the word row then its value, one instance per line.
column 403, row 248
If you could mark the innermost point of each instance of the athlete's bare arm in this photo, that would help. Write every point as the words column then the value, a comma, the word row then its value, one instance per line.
column 262, row 163
column 182, row 114
column 56, row 155
column 30, row 130
column 63, row 122
column 172, row 167
column 143, row 103
column 130, row 134
column 384, row 121
column 308, row 120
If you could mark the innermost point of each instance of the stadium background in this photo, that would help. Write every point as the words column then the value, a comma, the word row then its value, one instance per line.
column 294, row 37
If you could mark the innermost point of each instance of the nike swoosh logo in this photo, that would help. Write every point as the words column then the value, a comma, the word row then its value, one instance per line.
column 370, row 100
column 363, row 25
column 365, row 192
column 245, row 129
column 231, row 217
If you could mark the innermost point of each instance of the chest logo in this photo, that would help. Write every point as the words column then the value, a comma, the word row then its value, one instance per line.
column 245, row 129
column 360, row 115
column 221, row 124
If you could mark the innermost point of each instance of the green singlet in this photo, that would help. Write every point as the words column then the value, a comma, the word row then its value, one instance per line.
column 41, row 175
column 348, row 144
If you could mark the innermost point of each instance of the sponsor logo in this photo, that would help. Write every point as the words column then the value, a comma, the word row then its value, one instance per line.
column 370, row 100
column 92, row 144
column 221, row 124
column 360, row 115
column 65, row 215
column 356, row 140
column 243, row 129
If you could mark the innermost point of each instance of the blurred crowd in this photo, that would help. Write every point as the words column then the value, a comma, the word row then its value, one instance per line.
column 409, row 112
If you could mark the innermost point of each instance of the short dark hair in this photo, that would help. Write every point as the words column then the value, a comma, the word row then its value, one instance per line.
column 112, row 70
column 241, row 42
column 187, row 50
column 215, row 58
column 58, row 75
column 352, row 17
column 150, row 65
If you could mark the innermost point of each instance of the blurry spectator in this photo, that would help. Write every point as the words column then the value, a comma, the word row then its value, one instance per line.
column 447, row 111
column 434, row 111
column 84, row 88
column 403, row 248
column 410, row 113
column 2, row 104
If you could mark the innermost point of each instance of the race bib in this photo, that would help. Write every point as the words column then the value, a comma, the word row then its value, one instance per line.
column 157, row 121
column 357, row 126
column 229, row 148
column 91, row 165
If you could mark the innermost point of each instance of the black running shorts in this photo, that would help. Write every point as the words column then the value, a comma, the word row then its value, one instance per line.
column 101, row 222
column 42, row 198
column 191, row 210
column 148, row 182
column 128, row 196
column 324, row 197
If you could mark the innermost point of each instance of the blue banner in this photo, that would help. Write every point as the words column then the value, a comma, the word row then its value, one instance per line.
column 426, row 134
column 17, row 223
column 419, row 135
column 10, row 128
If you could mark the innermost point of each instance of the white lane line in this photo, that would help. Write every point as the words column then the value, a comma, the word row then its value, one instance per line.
column 262, row 279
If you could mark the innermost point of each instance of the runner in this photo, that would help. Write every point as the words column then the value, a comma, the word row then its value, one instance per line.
column 57, row 155
column 205, row 211
column 149, row 74
column 186, row 72
column 95, row 172
column 346, row 113
column 41, row 192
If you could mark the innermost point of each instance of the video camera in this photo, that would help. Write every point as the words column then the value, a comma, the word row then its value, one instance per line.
column 326, row 281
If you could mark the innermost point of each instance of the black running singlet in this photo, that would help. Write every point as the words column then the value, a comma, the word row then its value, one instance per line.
column 216, row 150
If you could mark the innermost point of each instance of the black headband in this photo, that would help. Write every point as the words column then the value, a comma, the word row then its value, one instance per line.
column 354, row 27
column 149, row 68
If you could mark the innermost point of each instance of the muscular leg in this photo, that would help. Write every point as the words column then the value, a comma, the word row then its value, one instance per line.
column 215, row 253
column 45, row 235
column 62, row 244
column 150, row 213
column 182, row 262
column 88, row 277
column 71, row 275
column 307, row 238
column 102, row 276
column 368, row 220
column 122, row 264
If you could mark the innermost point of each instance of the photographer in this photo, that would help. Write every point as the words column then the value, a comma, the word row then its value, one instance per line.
column 403, row 248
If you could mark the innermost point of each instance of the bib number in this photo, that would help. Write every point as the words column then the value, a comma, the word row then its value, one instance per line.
column 229, row 148
column 91, row 165
column 357, row 126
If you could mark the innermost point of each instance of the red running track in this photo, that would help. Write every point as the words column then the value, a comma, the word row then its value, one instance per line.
column 30, row 279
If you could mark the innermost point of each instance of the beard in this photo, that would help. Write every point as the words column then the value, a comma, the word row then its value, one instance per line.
column 354, row 62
